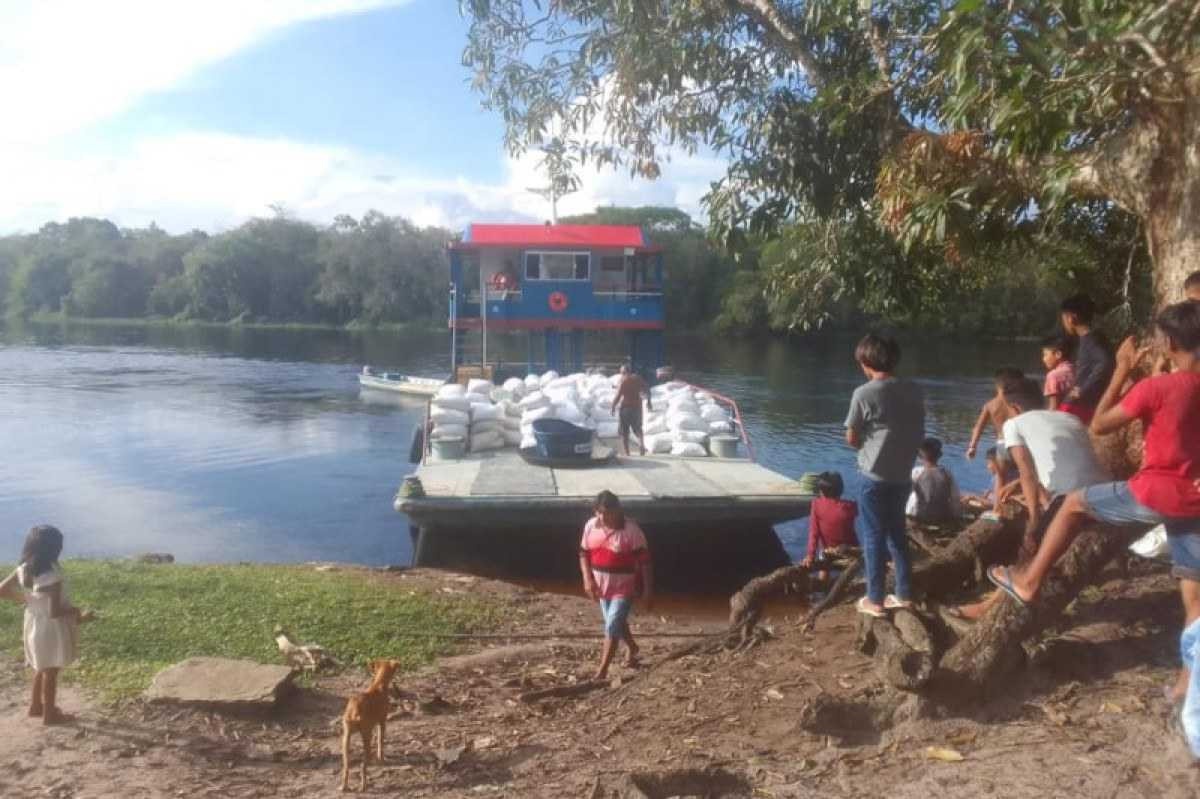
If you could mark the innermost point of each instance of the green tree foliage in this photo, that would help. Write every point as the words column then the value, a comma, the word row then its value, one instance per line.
column 383, row 269
column 953, row 125
column 277, row 269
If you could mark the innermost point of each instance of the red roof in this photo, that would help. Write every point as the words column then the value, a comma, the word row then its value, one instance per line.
column 588, row 236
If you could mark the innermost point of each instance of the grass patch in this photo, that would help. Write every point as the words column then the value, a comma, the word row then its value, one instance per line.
column 156, row 615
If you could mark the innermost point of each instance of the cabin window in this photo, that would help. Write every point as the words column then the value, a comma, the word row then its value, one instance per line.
column 558, row 266
column 612, row 263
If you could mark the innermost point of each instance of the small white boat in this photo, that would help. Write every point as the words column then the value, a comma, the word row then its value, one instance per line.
column 399, row 383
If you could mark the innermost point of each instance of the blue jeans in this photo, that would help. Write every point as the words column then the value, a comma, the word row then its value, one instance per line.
column 1114, row 503
column 882, row 531
column 1189, row 645
column 616, row 616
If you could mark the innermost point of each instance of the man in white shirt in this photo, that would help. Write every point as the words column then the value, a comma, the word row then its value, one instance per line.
column 1054, row 456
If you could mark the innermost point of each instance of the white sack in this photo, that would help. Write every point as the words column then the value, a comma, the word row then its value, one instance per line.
column 512, row 438
column 720, row 428
column 452, row 404
column 690, row 437
column 448, row 416
column 535, row 400
column 449, row 431
column 484, row 411
column 486, row 426
column 451, row 390
column 659, row 444
column 477, row 386
column 713, row 413
column 481, row 442
column 689, row 451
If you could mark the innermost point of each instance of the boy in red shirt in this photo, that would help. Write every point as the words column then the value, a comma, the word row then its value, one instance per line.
column 830, row 519
column 1166, row 490
column 615, row 563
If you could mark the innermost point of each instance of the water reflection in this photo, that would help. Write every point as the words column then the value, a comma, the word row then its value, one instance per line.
column 227, row 444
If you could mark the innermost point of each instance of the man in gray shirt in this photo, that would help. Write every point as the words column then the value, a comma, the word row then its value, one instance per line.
column 886, row 424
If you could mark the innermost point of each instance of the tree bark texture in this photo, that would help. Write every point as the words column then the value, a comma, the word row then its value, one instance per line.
column 984, row 541
column 901, row 646
column 994, row 644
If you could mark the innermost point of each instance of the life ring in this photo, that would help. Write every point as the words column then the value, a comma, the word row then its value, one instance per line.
column 558, row 302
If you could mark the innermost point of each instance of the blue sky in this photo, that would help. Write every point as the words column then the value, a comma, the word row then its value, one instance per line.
column 203, row 115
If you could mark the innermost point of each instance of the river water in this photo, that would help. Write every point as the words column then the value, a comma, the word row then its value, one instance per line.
column 224, row 444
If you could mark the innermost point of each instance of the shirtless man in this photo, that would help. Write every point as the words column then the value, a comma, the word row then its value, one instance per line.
column 630, row 391
column 995, row 411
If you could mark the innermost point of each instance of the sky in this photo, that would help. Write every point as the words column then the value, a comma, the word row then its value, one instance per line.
column 202, row 115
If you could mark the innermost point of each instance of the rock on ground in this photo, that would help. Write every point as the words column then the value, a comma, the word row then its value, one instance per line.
column 221, row 682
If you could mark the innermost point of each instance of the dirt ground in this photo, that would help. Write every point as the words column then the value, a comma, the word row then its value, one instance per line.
column 1086, row 719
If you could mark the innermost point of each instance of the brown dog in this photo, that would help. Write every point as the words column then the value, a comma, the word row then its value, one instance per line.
column 364, row 712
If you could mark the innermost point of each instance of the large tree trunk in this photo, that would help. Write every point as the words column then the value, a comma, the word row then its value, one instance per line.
column 1173, row 214
column 992, row 646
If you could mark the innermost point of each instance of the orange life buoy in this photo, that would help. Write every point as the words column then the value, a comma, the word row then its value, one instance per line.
column 558, row 302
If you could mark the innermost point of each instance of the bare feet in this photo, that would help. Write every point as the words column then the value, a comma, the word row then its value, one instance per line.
column 600, row 675
column 35, row 711
column 631, row 659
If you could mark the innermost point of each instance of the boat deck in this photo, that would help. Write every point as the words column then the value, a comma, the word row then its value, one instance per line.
column 493, row 484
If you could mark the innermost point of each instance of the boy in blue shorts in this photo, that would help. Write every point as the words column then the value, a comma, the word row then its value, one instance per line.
column 1166, row 490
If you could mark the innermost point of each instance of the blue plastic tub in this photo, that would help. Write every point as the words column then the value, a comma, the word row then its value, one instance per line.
column 559, row 439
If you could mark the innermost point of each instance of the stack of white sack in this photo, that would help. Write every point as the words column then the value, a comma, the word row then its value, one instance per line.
column 450, row 413
column 533, row 406
column 487, row 419
column 510, row 422
column 720, row 421
column 513, row 389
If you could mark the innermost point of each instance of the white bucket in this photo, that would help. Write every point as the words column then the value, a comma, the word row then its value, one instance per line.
column 723, row 446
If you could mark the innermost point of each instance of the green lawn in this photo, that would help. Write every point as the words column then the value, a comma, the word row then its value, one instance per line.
column 154, row 615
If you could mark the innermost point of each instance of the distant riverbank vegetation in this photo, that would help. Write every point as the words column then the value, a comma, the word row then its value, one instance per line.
column 381, row 271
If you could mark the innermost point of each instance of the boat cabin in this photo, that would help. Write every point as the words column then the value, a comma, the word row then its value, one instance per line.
column 557, row 287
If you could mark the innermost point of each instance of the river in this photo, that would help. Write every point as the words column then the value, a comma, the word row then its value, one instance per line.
column 230, row 444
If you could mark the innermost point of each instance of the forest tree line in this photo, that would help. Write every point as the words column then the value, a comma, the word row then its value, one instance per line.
column 381, row 270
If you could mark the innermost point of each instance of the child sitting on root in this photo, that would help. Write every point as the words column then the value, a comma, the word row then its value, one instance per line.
column 935, row 498
column 614, row 561
column 830, row 521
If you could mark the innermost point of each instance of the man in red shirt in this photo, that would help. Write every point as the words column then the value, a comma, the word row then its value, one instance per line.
column 1166, row 490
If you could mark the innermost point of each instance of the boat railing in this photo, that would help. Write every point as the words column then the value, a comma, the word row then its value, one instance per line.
column 619, row 296
column 737, row 417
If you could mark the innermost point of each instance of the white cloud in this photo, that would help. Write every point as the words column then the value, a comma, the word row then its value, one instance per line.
column 66, row 63
column 216, row 181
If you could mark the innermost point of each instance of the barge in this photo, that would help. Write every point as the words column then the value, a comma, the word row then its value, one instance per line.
column 709, row 516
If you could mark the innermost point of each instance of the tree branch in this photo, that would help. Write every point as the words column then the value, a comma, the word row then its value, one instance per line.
column 765, row 13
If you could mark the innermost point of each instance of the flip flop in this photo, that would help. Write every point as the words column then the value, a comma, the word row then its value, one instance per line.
column 893, row 602
column 1005, row 584
column 861, row 607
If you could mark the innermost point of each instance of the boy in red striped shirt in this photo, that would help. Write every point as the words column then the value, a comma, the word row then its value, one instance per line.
column 615, row 563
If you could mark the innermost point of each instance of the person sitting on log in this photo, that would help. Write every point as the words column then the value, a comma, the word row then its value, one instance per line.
column 1054, row 456
column 830, row 522
column 1165, row 490
column 935, row 498
column 1005, row 483
column 994, row 411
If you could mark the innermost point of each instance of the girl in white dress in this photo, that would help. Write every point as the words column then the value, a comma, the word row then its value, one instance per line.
column 51, row 621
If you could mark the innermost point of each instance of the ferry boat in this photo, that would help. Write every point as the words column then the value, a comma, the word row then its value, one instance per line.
column 555, row 288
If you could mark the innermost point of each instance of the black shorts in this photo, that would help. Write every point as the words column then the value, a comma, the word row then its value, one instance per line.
column 630, row 419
